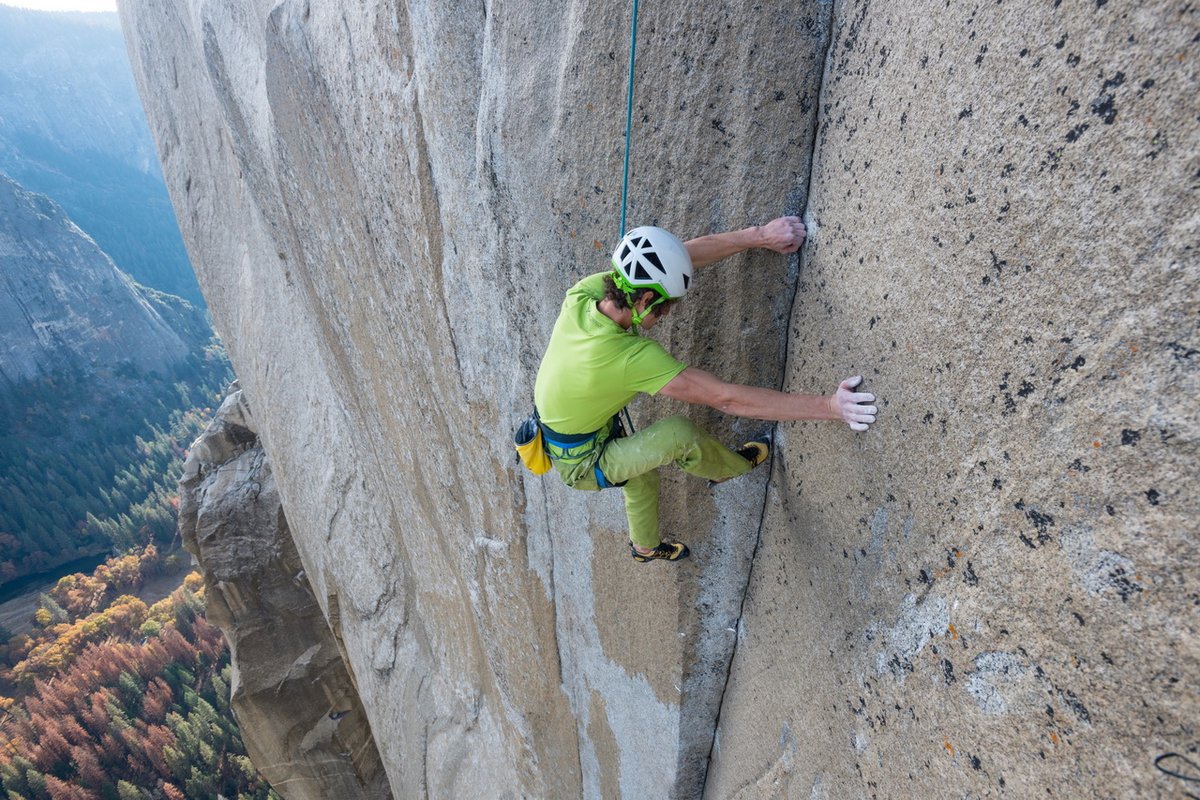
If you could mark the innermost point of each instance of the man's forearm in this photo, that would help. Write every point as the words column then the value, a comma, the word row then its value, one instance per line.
column 706, row 250
column 755, row 402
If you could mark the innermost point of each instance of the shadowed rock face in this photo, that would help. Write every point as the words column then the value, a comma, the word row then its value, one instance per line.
column 385, row 205
column 298, row 711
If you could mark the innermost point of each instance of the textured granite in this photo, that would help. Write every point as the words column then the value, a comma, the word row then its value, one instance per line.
column 994, row 592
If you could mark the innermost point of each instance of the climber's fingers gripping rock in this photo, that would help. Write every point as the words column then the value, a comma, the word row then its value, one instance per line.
column 851, row 406
column 783, row 235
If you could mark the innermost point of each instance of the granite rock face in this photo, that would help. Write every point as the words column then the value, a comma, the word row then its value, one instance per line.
column 296, row 705
column 994, row 592
column 64, row 305
column 384, row 206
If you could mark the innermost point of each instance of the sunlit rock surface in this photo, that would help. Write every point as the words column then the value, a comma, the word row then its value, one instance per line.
column 989, row 593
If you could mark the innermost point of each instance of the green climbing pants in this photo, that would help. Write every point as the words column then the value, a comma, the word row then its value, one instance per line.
column 634, row 460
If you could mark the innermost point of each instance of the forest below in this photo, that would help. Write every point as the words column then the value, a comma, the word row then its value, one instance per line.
column 89, row 460
column 111, row 699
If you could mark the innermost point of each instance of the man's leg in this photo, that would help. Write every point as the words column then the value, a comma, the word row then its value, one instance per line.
column 637, row 458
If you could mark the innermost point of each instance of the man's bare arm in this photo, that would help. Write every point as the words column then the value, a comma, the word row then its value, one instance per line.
column 703, row 388
column 783, row 235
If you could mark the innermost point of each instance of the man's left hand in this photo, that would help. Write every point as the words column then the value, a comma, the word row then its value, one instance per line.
column 783, row 235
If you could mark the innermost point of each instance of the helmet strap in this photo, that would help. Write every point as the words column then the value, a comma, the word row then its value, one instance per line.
column 638, row 317
column 629, row 289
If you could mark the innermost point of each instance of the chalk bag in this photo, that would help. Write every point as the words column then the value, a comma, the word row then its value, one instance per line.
column 531, row 447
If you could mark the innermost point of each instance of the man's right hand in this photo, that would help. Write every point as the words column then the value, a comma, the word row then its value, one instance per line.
column 849, row 405
column 783, row 235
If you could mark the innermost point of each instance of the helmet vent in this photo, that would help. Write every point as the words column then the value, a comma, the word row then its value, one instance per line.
column 687, row 282
column 624, row 252
column 638, row 242
column 640, row 273
column 652, row 257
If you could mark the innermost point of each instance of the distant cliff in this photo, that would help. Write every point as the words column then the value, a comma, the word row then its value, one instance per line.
column 64, row 305
column 992, row 593
column 72, row 128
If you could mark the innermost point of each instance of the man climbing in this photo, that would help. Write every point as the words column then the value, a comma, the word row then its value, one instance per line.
column 596, row 363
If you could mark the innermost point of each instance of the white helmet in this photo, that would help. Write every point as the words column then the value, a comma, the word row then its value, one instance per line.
column 651, row 258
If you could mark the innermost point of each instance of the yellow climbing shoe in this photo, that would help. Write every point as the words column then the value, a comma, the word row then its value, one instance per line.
column 667, row 551
column 757, row 451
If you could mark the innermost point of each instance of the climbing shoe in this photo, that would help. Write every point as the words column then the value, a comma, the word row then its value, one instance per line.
column 668, row 551
column 757, row 451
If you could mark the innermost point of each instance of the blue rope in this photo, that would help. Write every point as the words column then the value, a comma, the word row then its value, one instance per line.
column 628, row 117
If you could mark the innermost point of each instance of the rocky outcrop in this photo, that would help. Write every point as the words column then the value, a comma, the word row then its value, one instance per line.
column 295, row 701
column 64, row 305
column 1000, row 199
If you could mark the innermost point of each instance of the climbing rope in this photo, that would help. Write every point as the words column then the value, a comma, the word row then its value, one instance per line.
column 628, row 117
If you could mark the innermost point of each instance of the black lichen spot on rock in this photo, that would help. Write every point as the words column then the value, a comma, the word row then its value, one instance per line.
column 1113, row 82
column 1042, row 522
column 718, row 125
column 1112, row 512
column 1077, row 131
column 1101, row 3
column 1152, row 495
column 1073, row 60
column 1078, row 466
column 1026, row 389
column 976, row 763
column 1072, row 701
column 1078, row 618
column 928, row 418
column 997, row 483
column 969, row 576
column 948, row 672
column 966, row 112
column 1120, row 583
column 1130, row 437
column 1105, row 108
column 1061, row 43
column 1076, row 364
column 1180, row 352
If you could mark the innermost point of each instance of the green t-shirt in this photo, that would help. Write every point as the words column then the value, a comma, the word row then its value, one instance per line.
column 593, row 367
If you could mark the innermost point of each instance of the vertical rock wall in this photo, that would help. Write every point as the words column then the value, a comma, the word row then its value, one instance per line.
column 385, row 205
column 993, row 593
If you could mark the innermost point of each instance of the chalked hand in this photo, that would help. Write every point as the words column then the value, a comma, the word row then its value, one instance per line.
column 851, row 406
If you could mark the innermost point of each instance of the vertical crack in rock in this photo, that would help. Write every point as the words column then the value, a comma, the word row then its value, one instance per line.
column 798, row 204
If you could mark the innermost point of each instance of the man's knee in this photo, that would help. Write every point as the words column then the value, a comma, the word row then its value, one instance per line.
column 680, row 429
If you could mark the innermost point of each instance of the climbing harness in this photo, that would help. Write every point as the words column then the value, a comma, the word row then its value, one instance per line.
column 579, row 448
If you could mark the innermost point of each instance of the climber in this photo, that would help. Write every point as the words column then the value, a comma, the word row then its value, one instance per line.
column 596, row 363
